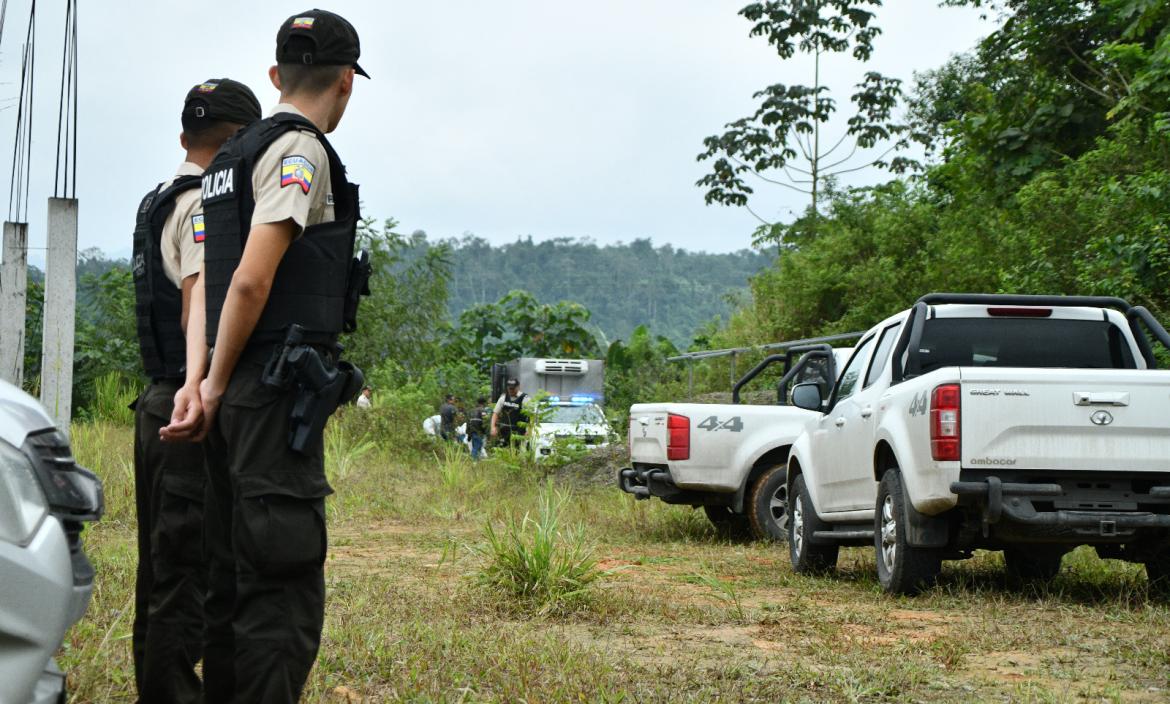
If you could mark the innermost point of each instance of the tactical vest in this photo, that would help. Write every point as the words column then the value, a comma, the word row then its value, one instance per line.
column 312, row 280
column 158, row 302
column 475, row 421
column 513, row 413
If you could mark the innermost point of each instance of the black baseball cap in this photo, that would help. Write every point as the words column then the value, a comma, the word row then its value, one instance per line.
column 332, row 41
column 513, row 382
column 221, row 99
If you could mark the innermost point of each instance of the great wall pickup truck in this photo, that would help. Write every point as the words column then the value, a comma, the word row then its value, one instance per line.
column 1027, row 424
column 730, row 459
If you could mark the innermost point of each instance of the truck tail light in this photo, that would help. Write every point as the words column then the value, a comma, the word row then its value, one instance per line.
column 678, row 442
column 945, row 423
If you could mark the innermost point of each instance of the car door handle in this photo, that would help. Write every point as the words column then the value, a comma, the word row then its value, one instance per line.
column 840, row 422
column 867, row 412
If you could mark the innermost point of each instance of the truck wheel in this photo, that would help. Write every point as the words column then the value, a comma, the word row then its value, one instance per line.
column 803, row 521
column 728, row 523
column 1158, row 573
column 768, row 504
column 1033, row 564
column 902, row 568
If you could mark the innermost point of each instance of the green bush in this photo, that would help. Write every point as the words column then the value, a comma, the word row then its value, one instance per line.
column 537, row 561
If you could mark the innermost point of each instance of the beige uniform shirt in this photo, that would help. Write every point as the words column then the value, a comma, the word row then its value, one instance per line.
column 182, row 235
column 291, row 179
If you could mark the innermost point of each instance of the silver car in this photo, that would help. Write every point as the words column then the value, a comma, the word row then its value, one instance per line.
column 45, row 578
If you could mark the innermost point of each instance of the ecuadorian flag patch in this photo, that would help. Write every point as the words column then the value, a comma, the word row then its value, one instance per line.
column 297, row 170
column 197, row 228
column 303, row 22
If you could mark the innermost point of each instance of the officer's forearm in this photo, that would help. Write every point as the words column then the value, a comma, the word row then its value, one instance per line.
column 196, row 329
column 247, row 295
column 241, row 311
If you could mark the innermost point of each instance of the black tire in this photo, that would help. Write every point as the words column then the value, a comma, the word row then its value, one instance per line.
column 767, row 505
column 902, row 568
column 807, row 557
column 1034, row 563
column 728, row 523
column 1158, row 573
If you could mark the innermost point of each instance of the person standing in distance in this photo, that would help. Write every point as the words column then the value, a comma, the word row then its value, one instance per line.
column 447, row 413
column 281, row 220
column 169, row 478
column 475, row 427
column 509, row 418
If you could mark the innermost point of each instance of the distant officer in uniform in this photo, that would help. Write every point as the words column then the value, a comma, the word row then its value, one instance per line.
column 169, row 478
column 281, row 220
column 510, row 420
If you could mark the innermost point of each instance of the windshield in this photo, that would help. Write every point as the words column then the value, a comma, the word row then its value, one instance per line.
column 574, row 415
column 1023, row 342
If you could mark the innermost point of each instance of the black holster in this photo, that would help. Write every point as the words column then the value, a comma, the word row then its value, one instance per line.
column 321, row 387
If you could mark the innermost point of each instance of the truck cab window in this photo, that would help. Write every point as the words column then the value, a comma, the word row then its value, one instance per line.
column 881, row 354
column 1024, row 342
column 852, row 373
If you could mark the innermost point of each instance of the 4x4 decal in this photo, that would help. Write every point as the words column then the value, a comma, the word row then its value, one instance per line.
column 734, row 424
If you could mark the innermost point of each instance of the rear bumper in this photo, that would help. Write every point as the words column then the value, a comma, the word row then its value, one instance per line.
column 1087, row 508
column 656, row 481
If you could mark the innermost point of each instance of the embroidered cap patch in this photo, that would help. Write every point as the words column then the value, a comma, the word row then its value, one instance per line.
column 197, row 228
column 303, row 23
column 297, row 170
column 206, row 87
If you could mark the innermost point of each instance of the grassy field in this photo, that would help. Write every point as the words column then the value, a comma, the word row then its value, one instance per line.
column 677, row 613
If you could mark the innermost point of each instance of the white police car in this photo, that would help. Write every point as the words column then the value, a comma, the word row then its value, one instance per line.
column 45, row 578
column 577, row 420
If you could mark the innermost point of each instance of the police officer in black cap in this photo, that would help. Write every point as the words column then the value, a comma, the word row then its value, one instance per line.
column 169, row 478
column 280, row 285
column 510, row 419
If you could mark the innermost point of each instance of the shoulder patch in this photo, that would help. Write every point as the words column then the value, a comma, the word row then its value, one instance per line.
column 197, row 230
column 297, row 170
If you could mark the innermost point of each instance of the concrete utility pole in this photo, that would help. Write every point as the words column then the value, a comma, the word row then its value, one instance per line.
column 60, row 311
column 13, row 288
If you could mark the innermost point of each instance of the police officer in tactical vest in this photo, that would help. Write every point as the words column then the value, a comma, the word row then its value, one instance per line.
column 510, row 419
column 281, row 283
column 169, row 478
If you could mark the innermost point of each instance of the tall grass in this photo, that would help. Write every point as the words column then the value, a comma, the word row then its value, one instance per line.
column 537, row 561
column 112, row 396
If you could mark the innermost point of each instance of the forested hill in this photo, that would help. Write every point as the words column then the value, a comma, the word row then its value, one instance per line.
column 673, row 291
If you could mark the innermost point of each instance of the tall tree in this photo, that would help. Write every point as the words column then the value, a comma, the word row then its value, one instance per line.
column 781, row 142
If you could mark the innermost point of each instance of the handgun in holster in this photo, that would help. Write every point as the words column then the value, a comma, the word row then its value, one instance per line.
column 277, row 373
column 320, row 390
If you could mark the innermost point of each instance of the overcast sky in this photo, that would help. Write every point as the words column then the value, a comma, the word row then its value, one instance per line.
column 504, row 119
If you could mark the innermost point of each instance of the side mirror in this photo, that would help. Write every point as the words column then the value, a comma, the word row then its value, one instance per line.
column 807, row 396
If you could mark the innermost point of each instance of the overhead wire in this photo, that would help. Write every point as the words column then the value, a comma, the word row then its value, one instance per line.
column 18, row 186
column 64, row 177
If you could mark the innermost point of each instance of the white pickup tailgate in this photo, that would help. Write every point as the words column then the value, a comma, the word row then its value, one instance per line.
column 1071, row 419
column 648, row 435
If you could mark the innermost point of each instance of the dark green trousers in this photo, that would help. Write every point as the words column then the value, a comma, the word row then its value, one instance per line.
column 172, row 572
column 266, row 542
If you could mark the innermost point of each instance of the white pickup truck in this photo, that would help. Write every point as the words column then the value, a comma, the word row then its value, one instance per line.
column 1028, row 424
column 730, row 459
